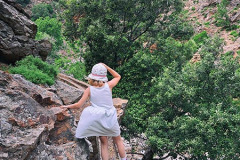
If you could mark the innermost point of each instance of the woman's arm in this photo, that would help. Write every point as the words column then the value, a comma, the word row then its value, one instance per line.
column 80, row 102
column 116, row 76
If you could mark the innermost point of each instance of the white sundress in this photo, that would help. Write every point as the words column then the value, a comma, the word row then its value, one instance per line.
column 99, row 119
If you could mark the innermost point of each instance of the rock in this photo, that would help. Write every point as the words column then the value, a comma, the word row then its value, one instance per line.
column 120, row 105
column 25, row 120
column 17, row 33
column 235, row 17
column 39, row 94
column 18, row 144
column 75, row 150
column 67, row 93
column 205, row 3
column 196, row 58
column 60, row 113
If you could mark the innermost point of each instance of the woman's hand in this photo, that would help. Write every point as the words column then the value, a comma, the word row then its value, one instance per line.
column 64, row 107
column 103, row 64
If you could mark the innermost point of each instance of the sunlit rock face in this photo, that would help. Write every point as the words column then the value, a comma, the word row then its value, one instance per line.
column 17, row 33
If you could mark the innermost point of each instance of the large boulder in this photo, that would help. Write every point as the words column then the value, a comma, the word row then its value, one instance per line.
column 17, row 33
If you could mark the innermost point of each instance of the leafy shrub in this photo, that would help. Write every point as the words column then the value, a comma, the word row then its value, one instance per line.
column 35, row 70
column 42, row 10
column 199, row 38
column 234, row 33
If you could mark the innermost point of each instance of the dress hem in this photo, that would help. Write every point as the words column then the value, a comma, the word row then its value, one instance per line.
column 98, row 136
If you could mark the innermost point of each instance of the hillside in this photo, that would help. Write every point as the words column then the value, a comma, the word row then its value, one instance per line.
column 201, row 13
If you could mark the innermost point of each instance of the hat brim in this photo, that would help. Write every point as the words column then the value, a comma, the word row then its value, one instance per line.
column 98, row 78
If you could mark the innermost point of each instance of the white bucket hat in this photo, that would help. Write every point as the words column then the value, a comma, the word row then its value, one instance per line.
column 99, row 73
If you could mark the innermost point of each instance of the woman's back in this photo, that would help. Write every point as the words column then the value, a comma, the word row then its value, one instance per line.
column 101, row 96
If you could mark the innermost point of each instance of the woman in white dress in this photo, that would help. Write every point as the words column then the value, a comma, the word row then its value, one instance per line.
column 100, row 119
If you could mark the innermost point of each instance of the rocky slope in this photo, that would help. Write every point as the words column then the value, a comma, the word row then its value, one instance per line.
column 201, row 14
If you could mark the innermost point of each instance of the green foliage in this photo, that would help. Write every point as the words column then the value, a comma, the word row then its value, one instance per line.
column 221, row 17
column 193, row 108
column 207, row 23
column 176, row 26
column 111, row 31
column 23, row 2
column 42, row 10
column 234, row 33
column 50, row 27
column 200, row 38
column 137, row 75
column 35, row 70
column 76, row 69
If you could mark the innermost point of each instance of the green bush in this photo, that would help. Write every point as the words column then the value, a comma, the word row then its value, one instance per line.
column 234, row 33
column 199, row 38
column 42, row 10
column 35, row 70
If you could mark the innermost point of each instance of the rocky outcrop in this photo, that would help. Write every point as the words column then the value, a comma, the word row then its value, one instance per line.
column 17, row 33
column 29, row 119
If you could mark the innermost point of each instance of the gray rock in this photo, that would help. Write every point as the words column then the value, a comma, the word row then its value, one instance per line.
column 41, row 95
column 77, row 150
column 67, row 93
column 17, row 33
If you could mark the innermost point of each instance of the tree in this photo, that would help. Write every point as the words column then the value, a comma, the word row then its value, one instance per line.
column 111, row 28
column 42, row 10
column 51, row 27
column 138, row 73
column 195, row 107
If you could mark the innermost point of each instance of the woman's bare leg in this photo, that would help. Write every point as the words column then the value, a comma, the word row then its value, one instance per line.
column 104, row 147
column 121, row 149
